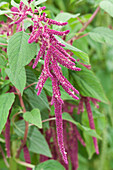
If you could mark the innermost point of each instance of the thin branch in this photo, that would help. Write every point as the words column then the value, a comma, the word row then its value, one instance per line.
column 26, row 125
column 90, row 20
column 24, row 163
column 80, row 20
column 46, row 120
column 78, row 37
column 85, row 25
column 3, row 44
column 30, row 85
column 4, row 158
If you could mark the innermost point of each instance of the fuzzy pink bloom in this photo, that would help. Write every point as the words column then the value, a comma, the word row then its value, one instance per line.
column 21, row 5
column 70, row 92
column 87, row 66
column 95, row 101
column 60, row 57
column 7, row 138
column 80, row 106
column 50, row 31
column 59, row 126
column 20, row 19
column 78, row 136
column 40, row 54
column 27, row 156
column 52, row 52
column 35, row 36
column 53, row 39
column 73, row 148
column 14, row 9
column 91, row 122
column 56, row 90
column 61, row 78
column 42, row 8
column 57, row 46
column 41, row 81
column 46, row 62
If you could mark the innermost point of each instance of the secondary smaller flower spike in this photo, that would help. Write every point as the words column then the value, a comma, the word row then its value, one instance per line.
column 91, row 122
column 87, row 100
column 7, row 137
column 78, row 136
column 80, row 106
column 59, row 126
column 27, row 156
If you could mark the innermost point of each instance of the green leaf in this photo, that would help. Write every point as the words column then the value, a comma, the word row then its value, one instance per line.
column 37, row 142
column 30, row 94
column 18, row 81
column 102, row 35
column 13, row 3
column 89, row 145
column 49, row 165
column 4, row 5
column 88, row 84
column 33, row 117
column 32, row 5
column 39, row 2
column 6, row 101
column 82, row 55
column 2, row 12
column 107, row 6
column 27, row 23
column 2, row 61
column 20, row 53
column 71, row 1
column 4, row 41
column 35, row 101
column 25, row 2
column 100, row 121
column 65, row 16
column 88, row 131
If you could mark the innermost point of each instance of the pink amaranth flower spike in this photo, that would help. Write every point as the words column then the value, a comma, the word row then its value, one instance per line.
column 91, row 122
column 87, row 100
column 7, row 137
column 95, row 101
column 56, row 90
column 41, row 81
column 79, row 136
column 80, row 106
column 58, row 47
column 40, row 54
column 58, row 114
column 53, row 39
column 52, row 52
column 27, row 156
column 73, row 148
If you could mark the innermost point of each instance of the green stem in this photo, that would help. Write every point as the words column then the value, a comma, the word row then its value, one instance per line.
column 103, row 151
column 46, row 120
column 13, row 164
column 24, row 163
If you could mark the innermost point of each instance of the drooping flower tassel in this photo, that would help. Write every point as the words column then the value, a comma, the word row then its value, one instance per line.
column 59, row 126
column 91, row 122
column 27, row 156
column 7, row 137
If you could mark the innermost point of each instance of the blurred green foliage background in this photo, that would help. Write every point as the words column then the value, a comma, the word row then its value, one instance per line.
column 101, row 59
